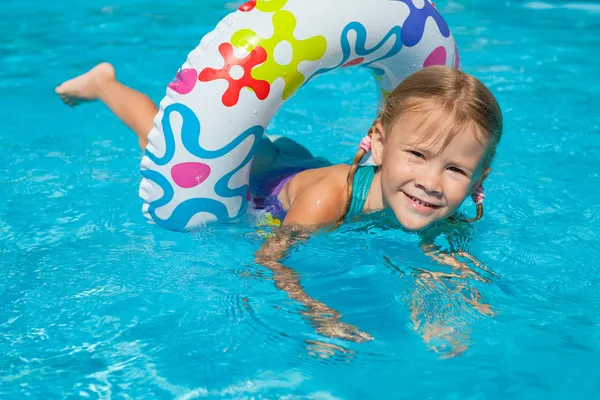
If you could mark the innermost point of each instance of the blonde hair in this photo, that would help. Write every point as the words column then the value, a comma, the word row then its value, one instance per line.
column 450, row 101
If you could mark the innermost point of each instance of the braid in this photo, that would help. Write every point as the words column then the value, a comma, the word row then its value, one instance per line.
column 455, row 220
column 478, row 216
column 350, row 179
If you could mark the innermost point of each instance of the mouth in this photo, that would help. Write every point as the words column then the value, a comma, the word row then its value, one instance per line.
column 420, row 205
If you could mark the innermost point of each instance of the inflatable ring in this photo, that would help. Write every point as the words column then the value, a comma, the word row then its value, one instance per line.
column 197, row 163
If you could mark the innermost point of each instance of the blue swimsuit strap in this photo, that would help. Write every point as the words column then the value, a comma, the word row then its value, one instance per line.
column 360, row 189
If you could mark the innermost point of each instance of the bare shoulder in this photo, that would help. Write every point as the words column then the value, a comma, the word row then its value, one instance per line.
column 327, row 181
column 318, row 196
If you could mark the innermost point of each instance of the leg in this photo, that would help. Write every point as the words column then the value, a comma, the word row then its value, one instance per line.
column 133, row 108
column 265, row 158
column 277, row 152
column 291, row 148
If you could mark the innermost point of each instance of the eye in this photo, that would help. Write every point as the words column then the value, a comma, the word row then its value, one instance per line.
column 416, row 154
column 457, row 170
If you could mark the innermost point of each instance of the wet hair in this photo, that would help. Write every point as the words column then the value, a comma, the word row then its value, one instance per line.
column 449, row 102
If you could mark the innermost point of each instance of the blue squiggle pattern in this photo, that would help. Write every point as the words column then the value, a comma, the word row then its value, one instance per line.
column 360, row 48
column 169, row 140
column 414, row 26
column 164, row 184
column 184, row 211
column 190, row 137
column 222, row 185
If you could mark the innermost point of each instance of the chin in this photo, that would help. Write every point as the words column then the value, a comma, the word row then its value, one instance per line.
column 414, row 224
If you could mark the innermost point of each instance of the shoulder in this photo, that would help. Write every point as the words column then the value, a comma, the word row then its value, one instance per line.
column 318, row 197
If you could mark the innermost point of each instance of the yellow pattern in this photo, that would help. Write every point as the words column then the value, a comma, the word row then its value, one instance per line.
column 284, row 23
column 270, row 5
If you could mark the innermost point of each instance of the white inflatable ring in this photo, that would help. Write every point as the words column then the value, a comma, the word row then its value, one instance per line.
column 197, row 163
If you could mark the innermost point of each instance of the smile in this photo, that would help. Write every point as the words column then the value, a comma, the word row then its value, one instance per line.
column 420, row 205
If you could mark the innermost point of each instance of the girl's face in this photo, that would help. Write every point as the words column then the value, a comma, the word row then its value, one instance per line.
column 420, row 181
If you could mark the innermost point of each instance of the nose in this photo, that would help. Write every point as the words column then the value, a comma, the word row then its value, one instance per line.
column 430, row 182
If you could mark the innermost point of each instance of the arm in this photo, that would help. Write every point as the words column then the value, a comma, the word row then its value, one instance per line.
column 448, row 324
column 303, row 219
column 270, row 255
column 449, row 259
column 273, row 251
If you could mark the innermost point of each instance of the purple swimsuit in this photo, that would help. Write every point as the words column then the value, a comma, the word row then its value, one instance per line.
column 267, row 186
column 270, row 202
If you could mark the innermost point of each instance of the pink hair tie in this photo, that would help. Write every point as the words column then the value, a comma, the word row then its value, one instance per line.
column 478, row 195
column 365, row 144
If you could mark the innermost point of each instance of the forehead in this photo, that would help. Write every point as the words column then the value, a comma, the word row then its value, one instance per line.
column 438, row 136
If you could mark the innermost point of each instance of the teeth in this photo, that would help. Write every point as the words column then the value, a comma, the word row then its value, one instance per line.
column 421, row 202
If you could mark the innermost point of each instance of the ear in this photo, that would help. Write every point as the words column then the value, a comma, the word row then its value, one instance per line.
column 480, row 181
column 377, row 143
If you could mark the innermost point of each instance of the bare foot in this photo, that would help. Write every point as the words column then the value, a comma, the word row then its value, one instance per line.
column 86, row 87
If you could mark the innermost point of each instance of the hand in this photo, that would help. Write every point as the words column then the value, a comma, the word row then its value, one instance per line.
column 444, row 340
column 336, row 329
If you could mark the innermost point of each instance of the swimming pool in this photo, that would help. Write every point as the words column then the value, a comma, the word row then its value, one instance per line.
column 95, row 303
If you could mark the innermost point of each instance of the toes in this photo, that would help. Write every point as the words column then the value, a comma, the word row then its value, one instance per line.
column 69, row 101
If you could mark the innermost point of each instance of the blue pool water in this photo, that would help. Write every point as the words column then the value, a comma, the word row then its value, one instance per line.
column 96, row 303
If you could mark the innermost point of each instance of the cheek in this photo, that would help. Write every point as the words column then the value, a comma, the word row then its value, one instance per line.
column 397, row 169
column 395, row 177
column 457, row 192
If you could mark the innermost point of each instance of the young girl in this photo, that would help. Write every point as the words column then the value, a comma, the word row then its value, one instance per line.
column 432, row 145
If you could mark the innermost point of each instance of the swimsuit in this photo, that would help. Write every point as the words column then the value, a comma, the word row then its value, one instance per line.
column 362, row 183
column 360, row 189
